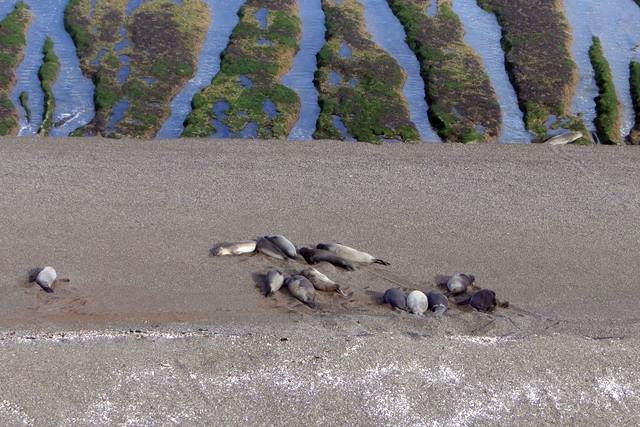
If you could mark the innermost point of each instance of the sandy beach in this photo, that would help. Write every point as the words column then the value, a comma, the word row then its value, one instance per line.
column 553, row 230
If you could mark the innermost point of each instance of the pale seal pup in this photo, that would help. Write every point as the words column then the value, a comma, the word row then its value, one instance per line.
column 272, row 282
column 350, row 254
column 417, row 302
column 458, row 283
column 284, row 244
column 301, row 288
column 234, row 248
column 565, row 138
column 483, row 300
column 438, row 303
column 268, row 248
column 321, row 282
column 45, row 277
column 396, row 297
column 314, row 256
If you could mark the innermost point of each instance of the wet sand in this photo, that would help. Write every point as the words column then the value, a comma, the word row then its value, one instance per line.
column 553, row 230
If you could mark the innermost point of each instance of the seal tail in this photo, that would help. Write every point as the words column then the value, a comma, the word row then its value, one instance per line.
column 312, row 304
column 340, row 291
column 381, row 261
column 44, row 287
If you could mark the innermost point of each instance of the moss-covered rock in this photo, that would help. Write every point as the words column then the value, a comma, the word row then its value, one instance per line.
column 607, row 104
column 48, row 74
column 536, row 41
column 359, row 82
column 143, row 59
column 463, row 104
column 260, row 51
column 12, row 43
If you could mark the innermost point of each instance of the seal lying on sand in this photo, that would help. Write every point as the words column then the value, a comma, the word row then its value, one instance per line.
column 565, row 138
column 272, row 282
column 417, row 302
column 45, row 277
column 314, row 256
column 458, row 283
column 438, row 303
column 483, row 300
column 234, row 248
column 301, row 288
column 396, row 297
column 321, row 282
column 350, row 254
column 268, row 248
column 284, row 244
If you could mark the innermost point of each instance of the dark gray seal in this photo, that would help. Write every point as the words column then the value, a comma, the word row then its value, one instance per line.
column 268, row 248
column 351, row 254
column 284, row 244
column 438, row 303
column 301, row 288
column 314, row 256
column 272, row 282
column 396, row 297
column 483, row 300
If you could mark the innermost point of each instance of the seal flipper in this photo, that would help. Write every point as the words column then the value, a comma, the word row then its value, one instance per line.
column 380, row 261
column 44, row 287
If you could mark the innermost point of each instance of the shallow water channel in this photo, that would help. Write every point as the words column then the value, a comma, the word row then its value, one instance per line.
column 388, row 33
column 73, row 92
column 300, row 77
column 483, row 34
column 615, row 22
column 224, row 19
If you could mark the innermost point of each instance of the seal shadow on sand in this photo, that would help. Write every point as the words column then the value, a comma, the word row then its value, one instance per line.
column 364, row 305
column 65, row 299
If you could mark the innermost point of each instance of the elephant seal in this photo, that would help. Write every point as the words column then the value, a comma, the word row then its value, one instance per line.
column 284, row 244
column 268, row 248
column 321, row 282
column 417, row 302
column 565, row 138
column 483, row 300
column 314, row 256
column 350, row 254
column 396, row 297
column 458, row 283
column 45, row 277
column 234, row 248
column 438, row 303
column 301, row 288
column 272, row 282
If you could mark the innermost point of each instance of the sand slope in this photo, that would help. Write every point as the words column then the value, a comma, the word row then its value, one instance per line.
column 552, row 230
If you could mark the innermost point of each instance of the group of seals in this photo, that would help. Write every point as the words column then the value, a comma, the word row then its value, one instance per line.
column 302, row 284
column 416, row 302
column 462, row 287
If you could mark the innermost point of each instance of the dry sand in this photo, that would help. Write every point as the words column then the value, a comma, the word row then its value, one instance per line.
column 553, row 230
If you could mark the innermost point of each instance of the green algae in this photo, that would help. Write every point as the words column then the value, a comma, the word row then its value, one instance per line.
column 161, row 56
column 536, row 42
column 12, row 43
column 47, row 74
column 634, row 137
column 369, row 98
column 261, row 64
column 459, row 92
column 607, row 104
